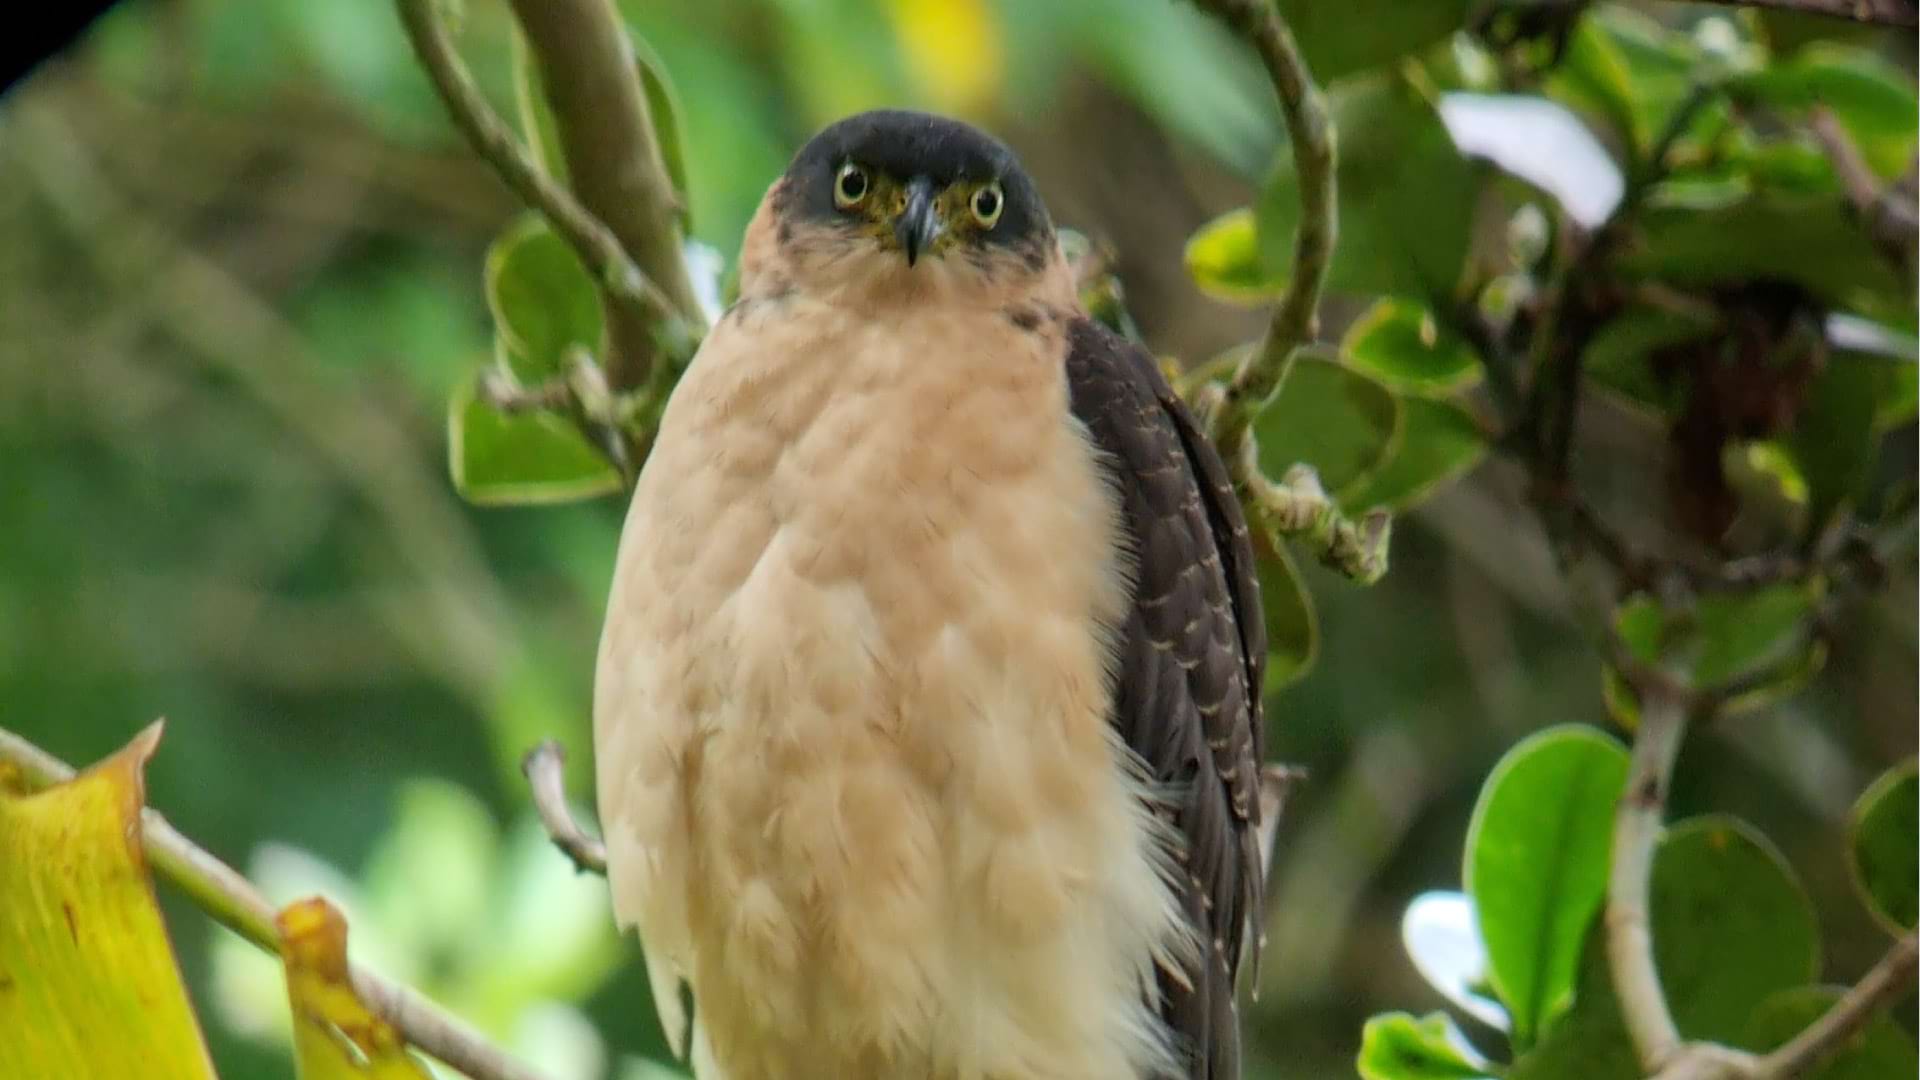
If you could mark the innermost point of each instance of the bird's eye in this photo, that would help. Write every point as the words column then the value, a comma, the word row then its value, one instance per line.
column 987, row 204
column 850, row 187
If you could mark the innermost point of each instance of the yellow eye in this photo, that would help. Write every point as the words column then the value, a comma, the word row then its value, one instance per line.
column 850, row 187
column 987, row 203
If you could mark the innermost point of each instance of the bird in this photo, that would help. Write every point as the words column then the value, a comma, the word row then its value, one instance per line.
column 927, row 720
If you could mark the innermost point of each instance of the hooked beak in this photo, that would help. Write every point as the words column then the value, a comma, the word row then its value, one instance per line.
column 917, row 224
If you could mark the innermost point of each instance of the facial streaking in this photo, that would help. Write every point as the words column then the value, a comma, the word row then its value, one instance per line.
column 917, row 186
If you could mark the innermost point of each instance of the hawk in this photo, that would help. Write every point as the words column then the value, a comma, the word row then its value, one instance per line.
column 927, row 714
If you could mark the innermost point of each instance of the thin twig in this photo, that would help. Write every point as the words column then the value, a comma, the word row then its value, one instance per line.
column 1299, row 508
column 1636, row 833
column 1295, row 319
column 1888, row 219
column 231, row 900
column 1889, row 979
column 591, row 78
column 545, row 768
column 1883, row 12
column 619, row 276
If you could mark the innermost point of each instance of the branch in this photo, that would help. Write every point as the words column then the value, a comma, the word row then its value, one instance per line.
column 1883, row 12
column 221, row 892
column 592, row 79
column 1636, row 831
column 653, row 319
column 1889, row 979
column 545, row 767
column 1295, row 318
column 1888, row 219
column 1299, row 508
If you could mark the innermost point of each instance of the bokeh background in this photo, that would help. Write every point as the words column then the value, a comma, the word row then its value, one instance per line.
column 240, row 276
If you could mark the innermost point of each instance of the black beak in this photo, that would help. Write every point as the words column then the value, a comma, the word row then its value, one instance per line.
column 917, row 225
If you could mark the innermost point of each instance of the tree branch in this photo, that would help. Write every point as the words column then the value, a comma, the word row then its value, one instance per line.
column 1883, row 12
column 1890, row 978
column 1295, row 319
column 232, row 901
column 607, row 135
column 654, row 318
column 545, row 767
column 1889, row 220
column 1636, row 832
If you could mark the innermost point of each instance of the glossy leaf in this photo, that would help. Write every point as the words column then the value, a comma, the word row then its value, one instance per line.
column 335, row 1035
column 1442, row 938
column 500, row 458
column 1626, row 69
column 1729, row 635
column 1882, row 1051
column 1398, row 1047
column 1438, row 443
column 1731, row 925
column 1834, row 438
column 1539, row 141
column 1406, row 196
column 1400, row 343
column 1293, row 630
column 1536, row 865
column 1340, row 422
column 88, row 981
column 544, row 301
column 1226, row 261
column 1883, row 847
column 1590, row 1042
column 1339, row 39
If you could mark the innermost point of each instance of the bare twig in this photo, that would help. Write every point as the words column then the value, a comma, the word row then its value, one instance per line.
column 1295, row 318
column 1636, row 832
column 1298, row 508
column 231, row 900
column 1889, row 979
column 1889, row 220
column 608, row 137
column 670, row 321
column 545, row 766
column 1884, row 12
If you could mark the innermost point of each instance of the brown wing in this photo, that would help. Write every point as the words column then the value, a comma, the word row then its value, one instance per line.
column 1193, row 652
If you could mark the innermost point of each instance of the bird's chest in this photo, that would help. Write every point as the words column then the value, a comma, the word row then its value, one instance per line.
column 879, row 583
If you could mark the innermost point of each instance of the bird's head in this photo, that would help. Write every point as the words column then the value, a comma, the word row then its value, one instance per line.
column 907, row 199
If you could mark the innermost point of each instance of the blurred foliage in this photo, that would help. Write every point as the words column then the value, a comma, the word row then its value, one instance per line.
column 245, row 279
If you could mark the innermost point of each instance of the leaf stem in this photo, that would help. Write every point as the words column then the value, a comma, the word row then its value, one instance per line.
column 232, row 901
column 1636, row 833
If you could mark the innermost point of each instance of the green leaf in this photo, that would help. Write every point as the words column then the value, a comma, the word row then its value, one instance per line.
column 1406, row 196
column 1438, row 443
column 1338, row 421
column 1542, row 142
column 1225, row 260
column 1623, row 67
column 1590, row 1042
column 1873, row 100
column 1809, row 241
column 1727, row 636
column 1293, row 630
column 500, row 459
column 1883, row 847
column 88, row 981
column 1731, row 925
column 543, row 299
column 1834, row 440
column 1881, row 1051
column 663, row 105
column 1398, row 1047
column 1400, row 343
column 537, row 124
column 1620, row 356
column 1536, row 865
column 1339, row 39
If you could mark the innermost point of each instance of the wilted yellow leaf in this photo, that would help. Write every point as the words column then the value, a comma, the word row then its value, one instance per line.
column 335, row 1035
column 88, row 982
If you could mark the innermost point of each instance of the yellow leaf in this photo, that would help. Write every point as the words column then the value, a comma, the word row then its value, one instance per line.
column 335, row 1035
column 88, row 981
column 952, row 49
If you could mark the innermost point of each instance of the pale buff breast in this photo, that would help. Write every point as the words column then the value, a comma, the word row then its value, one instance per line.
column 855, row 769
